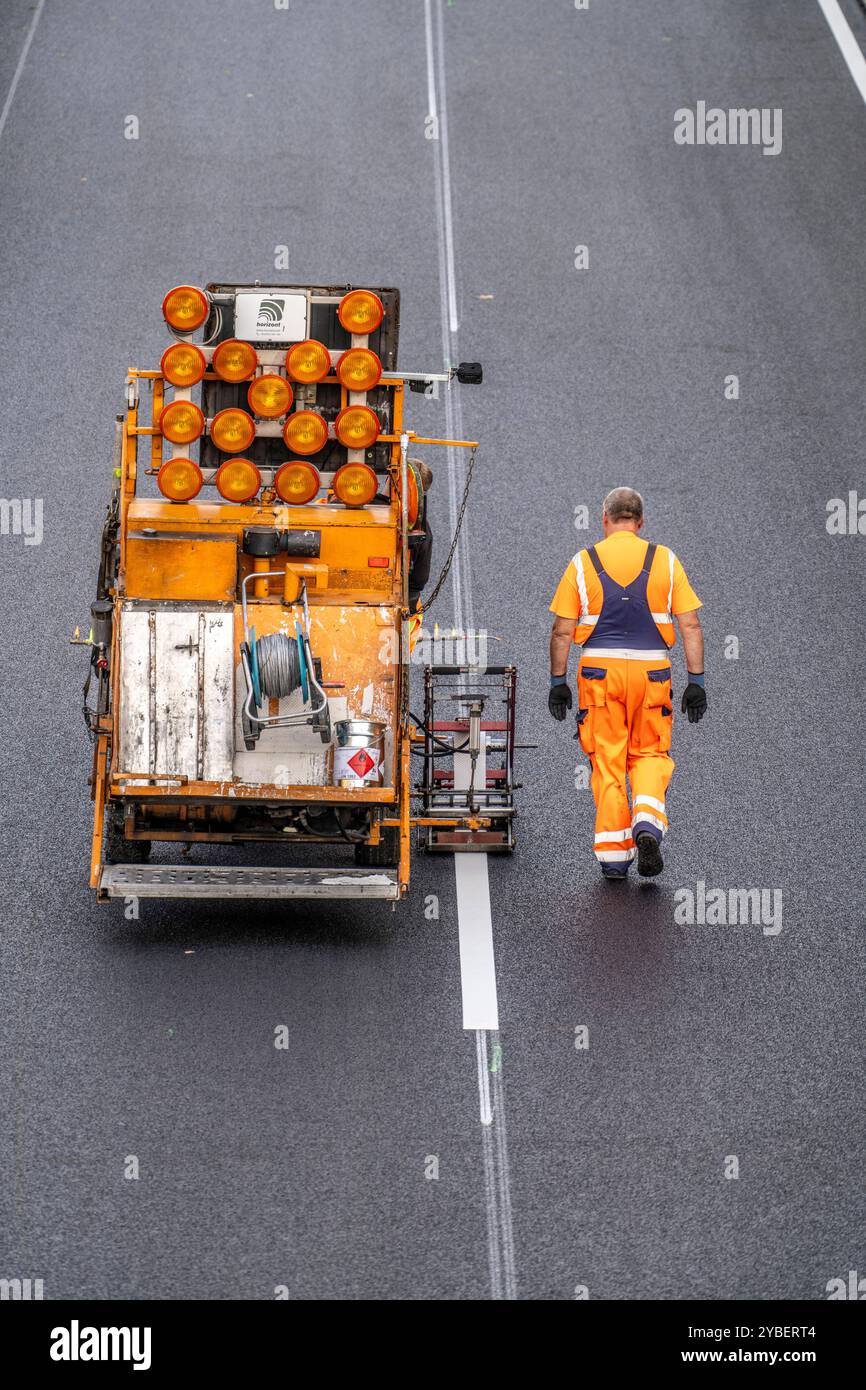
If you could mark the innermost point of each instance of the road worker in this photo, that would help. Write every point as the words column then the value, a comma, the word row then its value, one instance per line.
column 420, row 537
column 617, row 601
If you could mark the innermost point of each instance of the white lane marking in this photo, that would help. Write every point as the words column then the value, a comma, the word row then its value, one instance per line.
column 488, row 1156
column 485, row 1105
column 432, row 104
column 494, row 1145
column 475, row 929
column 453, row 321
column 851, row 51
column 20, row 68
column 438, row 109
column 506, row 1224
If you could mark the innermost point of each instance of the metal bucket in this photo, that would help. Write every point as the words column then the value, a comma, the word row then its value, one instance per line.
column 359, row 757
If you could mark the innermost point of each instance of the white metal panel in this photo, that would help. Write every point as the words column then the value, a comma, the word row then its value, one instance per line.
column 271, row 316
column 218, row 688
column 134, row 713
column 176, row 691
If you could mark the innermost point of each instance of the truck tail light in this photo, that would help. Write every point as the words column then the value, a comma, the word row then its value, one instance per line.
column 378, row 562
column 232, row 430
column 181, row 422
column 355, row 484
column 308, row 361
column 238, row 480
column 357, row 426
column 305, row 432
column 296, row 482
column 235, row 361
column 359, row 369
column 360, row 311
column 183, row 364
column 179, row 479
column 269, row 396
column 185, row 308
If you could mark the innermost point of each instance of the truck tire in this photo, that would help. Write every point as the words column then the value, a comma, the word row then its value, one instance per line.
column 385, row 855
column 119, row 850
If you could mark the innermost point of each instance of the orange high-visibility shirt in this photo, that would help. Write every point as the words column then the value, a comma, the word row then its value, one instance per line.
column 669, row 593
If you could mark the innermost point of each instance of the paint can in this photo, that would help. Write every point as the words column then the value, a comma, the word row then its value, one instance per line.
column 359, row 755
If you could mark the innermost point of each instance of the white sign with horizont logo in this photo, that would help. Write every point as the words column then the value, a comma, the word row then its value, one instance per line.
column 271, row 317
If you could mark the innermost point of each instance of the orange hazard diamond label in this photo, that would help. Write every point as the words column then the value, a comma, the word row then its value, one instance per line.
column 361, row 763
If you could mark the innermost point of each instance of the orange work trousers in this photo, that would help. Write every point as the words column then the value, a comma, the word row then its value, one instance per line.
column 625, row 716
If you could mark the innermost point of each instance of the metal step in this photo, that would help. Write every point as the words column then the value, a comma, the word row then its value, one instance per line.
column 206, row 881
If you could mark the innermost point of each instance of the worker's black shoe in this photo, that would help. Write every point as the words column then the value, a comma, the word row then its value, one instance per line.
column 649, row 856
column 614, row 871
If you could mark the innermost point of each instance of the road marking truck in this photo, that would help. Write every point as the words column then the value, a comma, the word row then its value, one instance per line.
column 252, row 634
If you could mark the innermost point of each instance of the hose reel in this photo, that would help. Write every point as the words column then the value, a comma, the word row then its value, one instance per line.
column 276, row 666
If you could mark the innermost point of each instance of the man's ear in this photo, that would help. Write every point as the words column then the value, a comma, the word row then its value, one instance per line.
column 640, row 524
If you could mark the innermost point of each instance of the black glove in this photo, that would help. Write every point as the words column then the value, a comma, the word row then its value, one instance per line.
column 559, row 699
column 694, row 702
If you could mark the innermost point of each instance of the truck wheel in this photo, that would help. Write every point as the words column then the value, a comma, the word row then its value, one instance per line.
column 119, row 850
column 385, row 855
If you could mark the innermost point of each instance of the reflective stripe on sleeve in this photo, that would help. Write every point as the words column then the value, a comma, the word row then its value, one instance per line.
column 581, row 587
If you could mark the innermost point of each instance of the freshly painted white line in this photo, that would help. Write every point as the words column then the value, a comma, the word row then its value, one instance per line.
column 20, row 68
column 851, row 51
column 475, row 929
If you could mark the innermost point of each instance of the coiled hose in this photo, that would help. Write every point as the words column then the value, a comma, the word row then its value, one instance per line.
column 279, row 665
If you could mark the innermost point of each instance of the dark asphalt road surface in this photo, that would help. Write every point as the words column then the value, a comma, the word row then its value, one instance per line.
column 154, row 1038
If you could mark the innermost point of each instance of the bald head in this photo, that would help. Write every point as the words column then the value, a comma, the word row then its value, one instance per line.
column 622, row 511
column 425, row 473
column 624, row 505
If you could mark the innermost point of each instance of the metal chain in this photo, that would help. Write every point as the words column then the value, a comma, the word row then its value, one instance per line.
column 428, row 602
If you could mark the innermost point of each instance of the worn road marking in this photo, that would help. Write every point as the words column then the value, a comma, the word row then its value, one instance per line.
column 20, row 68
column 851, row 52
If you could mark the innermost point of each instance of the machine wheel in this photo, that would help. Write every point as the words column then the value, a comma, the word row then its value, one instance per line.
column 385, row 855
column 119, row 850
